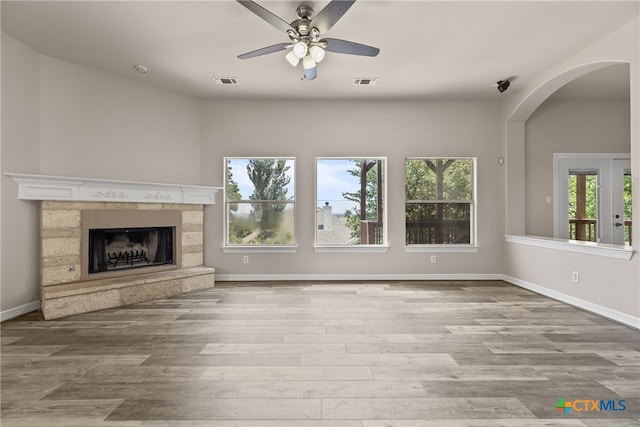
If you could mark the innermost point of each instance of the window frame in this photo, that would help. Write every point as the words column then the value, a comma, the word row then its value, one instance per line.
column 362, row 248
column 228, row 247
column 472, row 246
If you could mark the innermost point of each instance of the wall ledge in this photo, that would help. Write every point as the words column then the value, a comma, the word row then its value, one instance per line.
column 588, row 248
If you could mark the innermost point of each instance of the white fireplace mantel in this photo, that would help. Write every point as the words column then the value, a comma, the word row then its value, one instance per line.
column 44, row 187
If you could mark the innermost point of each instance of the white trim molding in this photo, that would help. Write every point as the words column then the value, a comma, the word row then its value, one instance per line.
column 45, row 187
column 453, row 248
column 19, row 311
column 348, row 277
column 371, row 249
column 589, row 248
column 600, row 310
column 258, row 249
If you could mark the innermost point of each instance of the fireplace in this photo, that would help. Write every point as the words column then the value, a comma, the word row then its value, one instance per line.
column 128, row 248
column 155, row 230
column 117, row 242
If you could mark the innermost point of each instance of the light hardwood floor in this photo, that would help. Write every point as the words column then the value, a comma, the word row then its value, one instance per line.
column 366, row 354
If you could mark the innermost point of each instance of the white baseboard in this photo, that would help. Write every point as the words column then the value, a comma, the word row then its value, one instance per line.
column 19, row 311
column 329, row 277
column 614, row 315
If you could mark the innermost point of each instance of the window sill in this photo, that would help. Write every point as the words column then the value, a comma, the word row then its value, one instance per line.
column 377, row 249
column 590, row 248
column 259, row 249
column 440, row 248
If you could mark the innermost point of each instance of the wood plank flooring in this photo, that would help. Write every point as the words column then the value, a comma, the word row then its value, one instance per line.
column 365, row 354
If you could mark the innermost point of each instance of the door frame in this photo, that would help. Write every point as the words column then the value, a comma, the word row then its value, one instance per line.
column 604, row 164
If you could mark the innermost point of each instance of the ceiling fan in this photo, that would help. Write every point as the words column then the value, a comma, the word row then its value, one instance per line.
column 304, row 34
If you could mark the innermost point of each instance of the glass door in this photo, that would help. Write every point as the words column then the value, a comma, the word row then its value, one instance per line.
column 593, row 198
column 622, row 196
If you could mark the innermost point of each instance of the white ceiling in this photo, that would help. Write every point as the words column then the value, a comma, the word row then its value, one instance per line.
column 429, row 49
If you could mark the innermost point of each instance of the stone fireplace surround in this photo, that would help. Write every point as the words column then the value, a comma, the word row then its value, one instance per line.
column 66, row 288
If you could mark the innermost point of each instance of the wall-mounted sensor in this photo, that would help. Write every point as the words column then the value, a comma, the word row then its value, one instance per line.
column 503, row 85
column 142, row 69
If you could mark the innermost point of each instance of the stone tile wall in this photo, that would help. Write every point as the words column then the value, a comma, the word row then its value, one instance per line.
column 61, row 234
column 61, row 231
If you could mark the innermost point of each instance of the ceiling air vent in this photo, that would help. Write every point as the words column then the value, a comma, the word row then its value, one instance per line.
column 365, row 81
column 226, row 80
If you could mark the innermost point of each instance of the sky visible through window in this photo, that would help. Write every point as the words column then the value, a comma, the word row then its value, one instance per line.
column 333, row 180
column 238, row 168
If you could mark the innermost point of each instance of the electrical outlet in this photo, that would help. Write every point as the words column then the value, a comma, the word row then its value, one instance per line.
column 575, row 276
column 245, row 259
column 433, row 259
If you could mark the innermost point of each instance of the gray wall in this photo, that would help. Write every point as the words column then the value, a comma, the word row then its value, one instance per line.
column 585, row 126
column 99, row 125
column 20, row 268
column 400, row 129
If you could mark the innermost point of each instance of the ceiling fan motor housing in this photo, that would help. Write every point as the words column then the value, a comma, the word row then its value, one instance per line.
column 302, row 25
column 304, row 11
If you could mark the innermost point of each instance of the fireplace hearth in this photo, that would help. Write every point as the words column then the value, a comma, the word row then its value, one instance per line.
column 103, row 255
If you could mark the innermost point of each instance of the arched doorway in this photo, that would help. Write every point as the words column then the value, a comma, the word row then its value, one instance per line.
column 516, row 203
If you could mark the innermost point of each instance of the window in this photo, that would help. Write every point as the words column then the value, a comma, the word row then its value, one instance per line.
column 260, row 202
column 350, row 202
column 439, row 201
column 583, row 205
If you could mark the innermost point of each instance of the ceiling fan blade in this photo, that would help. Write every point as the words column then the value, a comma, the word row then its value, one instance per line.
column 268, row 16
column 265, row 50
column 350, row 48
column 331, row 14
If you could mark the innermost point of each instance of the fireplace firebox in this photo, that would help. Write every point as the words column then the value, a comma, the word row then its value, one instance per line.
column 127, row 248
column 126, row 242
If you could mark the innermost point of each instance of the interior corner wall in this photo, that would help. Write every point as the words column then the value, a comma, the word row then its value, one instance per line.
column 20, row 268
column 583, row 126
column 392, row 129
column 64, row 119
column 95, row 124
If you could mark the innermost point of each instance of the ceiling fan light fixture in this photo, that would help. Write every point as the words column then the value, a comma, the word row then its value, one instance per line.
column 300, row 49
column 308, row 62
column 311, row 73
column 317, row 53
column 292, row 58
